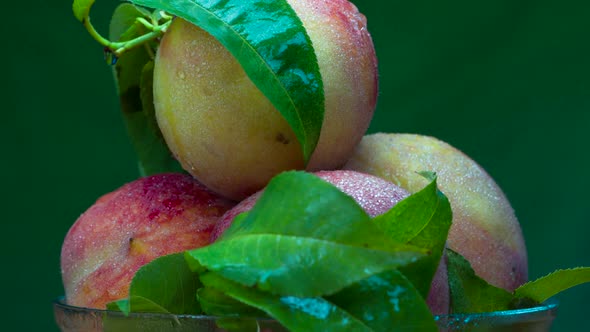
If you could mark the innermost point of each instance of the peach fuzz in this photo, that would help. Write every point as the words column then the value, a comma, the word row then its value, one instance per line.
column 228, row 135
column 127, row 228
column 485, row 229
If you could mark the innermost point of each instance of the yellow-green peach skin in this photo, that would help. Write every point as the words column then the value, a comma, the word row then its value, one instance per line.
column 228, row 135
column 485, row 229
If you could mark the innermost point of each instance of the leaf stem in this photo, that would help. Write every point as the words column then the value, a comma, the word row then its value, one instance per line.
column 103, row 41
column 118, row 48
column 145, row 23
column 165, row 15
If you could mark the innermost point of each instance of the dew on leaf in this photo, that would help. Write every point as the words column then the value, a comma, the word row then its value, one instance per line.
column 311, row 306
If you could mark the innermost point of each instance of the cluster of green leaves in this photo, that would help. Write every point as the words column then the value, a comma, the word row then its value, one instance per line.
column 308, row 256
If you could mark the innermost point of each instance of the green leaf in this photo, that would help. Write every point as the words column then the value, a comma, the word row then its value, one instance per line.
column 433, row 238
column 277, row 55
column 295, row 313
column 298, row 266
column 233, row 314
column 410, row 216
column 123, row 24
column 423, row 219
column 387, row 302
column 81, row 8
column 128, row 69
column 545, row 287
column 470, row 293
column 216, row 303
column 301, row 204
column 133, row 76
column 164, row 285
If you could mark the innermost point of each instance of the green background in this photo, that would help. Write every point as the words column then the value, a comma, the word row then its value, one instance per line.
column 506, row 81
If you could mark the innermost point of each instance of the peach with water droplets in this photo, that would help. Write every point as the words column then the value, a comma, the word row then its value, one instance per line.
column 228, row 135
column 485, row 229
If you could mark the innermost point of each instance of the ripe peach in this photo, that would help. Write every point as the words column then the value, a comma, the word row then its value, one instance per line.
column 485, row 229
column 228, row 135
column 127, row 228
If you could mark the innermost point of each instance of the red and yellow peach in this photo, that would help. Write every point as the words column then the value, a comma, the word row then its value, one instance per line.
column 129, row 227
column 485, row 229
column 228, row 135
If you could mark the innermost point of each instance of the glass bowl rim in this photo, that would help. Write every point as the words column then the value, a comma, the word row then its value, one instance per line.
column 545, row 309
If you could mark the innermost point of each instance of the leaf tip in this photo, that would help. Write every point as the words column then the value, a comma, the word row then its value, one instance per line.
column 428, row 175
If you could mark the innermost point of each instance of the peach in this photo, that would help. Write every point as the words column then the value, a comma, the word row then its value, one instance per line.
column 228, row 135
column 127, row 228
column 485, row 229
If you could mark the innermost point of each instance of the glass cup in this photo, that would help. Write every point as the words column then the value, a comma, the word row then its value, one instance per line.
column 77, row 319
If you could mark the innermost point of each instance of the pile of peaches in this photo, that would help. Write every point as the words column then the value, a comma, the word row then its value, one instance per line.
column 231, row 141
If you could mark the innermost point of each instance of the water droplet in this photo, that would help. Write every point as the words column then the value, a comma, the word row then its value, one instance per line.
column 311, row 306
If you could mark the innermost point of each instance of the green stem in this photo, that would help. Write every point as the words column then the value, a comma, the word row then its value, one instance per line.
column 126, row 46
column 103, row 41
column 165, row 15
column 119, row 48
column 146, row 23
